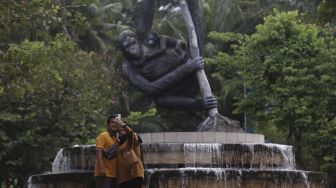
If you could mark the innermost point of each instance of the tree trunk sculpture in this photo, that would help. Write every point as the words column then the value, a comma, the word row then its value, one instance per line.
column 214, row 121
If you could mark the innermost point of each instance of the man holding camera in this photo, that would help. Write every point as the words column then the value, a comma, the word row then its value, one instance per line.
column 106, row 149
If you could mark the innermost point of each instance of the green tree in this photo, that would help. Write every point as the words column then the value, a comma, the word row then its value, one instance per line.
column 91, row 24
column 288, row 68
column 327, row 11
column 51, row 96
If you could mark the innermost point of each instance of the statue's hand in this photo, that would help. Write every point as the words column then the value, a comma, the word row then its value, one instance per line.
column 209, row 102
column 196, row 64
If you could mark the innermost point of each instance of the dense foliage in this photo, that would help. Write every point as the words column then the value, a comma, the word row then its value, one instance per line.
column 288, row 69
column 52, row 94
column 60, row 76
column 327, row 11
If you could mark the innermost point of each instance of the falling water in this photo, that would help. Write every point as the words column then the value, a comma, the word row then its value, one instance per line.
column 258, row 156
column 201, row 154
column 85, row 151
column 286, row 153
column 76, row 158
column 149, row 173
column 187, row 177
column 61, row 162
column 183, row 179
column 305, row 179
column 250, row 156
column 29, row 182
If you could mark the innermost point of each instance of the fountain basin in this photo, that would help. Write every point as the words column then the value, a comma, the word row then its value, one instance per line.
column 178, row 155
column 80, row 179
column 195, row 178
column 233, row 178
column 195, row 160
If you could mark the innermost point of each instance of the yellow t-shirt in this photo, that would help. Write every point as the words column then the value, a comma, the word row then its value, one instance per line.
column 125, row 172
column 103, row 141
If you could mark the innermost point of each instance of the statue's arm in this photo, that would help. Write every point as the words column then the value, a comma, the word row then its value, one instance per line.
column 158, row 86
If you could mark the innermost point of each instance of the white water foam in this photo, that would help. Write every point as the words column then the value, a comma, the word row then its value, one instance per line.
column 196, row 154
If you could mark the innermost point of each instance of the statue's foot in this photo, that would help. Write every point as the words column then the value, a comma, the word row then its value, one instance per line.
column 219, row 123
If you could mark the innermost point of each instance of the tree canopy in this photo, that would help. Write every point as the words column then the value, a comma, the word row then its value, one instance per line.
column 288, row 70
column 60, row 76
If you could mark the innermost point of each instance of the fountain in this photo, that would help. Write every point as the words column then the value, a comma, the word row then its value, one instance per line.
column 192, row 160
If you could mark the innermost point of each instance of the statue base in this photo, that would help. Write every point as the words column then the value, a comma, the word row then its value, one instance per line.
column 219, row 123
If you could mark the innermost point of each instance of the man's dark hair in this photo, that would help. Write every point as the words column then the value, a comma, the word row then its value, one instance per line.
column 111, row 117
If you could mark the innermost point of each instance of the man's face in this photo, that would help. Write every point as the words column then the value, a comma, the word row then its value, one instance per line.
column 132, row 47
column 113, row 124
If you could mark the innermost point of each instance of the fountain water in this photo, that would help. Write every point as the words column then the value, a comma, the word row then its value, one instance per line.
column 172, row 162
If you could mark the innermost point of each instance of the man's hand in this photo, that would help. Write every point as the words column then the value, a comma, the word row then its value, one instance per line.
column 118, row 122
column 99, row 157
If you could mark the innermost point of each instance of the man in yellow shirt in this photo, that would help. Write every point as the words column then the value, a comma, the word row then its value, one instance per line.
column 106, row 169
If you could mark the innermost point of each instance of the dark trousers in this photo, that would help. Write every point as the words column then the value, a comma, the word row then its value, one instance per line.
column 133, row 183
column 106, row 182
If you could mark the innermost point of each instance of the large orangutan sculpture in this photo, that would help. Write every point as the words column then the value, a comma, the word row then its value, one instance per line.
column 161, row 67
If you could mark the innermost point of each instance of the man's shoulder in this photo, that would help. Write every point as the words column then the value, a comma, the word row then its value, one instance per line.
column 103, row 134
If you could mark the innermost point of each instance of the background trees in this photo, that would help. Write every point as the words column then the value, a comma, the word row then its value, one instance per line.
column 288, row 69
column 60, row 76
column 52, row 93
column 51, row 96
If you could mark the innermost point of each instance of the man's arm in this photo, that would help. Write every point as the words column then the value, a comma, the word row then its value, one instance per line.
column 99, row 157
column 100, row 143
column 165, row 82
column 126, row 136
